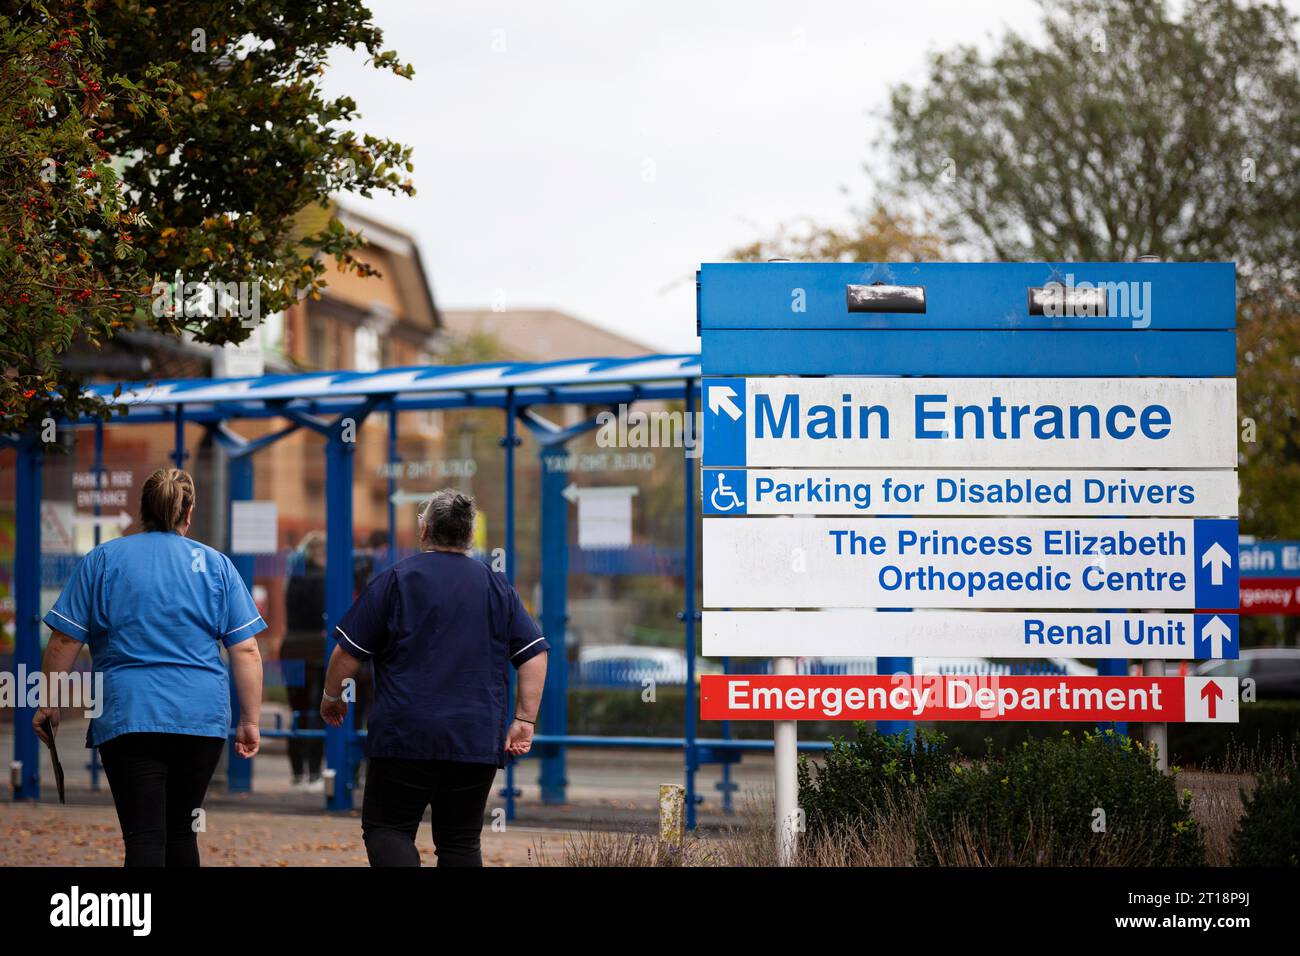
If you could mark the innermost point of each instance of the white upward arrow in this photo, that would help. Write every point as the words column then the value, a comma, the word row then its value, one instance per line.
column 1218, row 559
column 721, row 397
column 1218, row 633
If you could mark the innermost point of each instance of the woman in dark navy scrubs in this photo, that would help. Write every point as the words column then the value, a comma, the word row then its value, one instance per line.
column 442, row 629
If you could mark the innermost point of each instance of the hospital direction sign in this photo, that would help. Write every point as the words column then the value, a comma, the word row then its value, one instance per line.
column 970, row 562
column 854, row 632
column 1027, row 481
column 970, row 423
column 969, row 697
column 901, row 491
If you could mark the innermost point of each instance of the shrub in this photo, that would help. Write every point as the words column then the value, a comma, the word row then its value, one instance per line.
column 1038, row 805
column 1266, row 726
column 1269, row 832
column 861, row 778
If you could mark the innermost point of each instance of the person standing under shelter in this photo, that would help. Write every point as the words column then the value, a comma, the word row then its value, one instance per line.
column 302, row 659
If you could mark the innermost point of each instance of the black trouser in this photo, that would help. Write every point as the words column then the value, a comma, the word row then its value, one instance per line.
column 158, row 781
column 305, row 754
column 397, row 792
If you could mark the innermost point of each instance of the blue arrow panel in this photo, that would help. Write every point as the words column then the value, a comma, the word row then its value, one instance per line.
column 1215, row 561
column 724, row 422
column 1217, row 637
column 1270, row 559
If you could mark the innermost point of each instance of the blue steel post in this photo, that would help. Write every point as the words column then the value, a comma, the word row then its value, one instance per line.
column 179, row 454
column 99, row 472
column 895, row 665
column 1113, row 667
column 509, row 443
column 92, row 765
column 239, row 468
column 555, row 580
column 27, row 609
column 688, row 611
column 394, row 459
column 338, row 598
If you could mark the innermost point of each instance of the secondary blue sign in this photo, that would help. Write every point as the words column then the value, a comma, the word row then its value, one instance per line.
column 1270, row 559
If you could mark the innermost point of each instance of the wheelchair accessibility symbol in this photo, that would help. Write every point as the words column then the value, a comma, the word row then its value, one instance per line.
column 726, row 494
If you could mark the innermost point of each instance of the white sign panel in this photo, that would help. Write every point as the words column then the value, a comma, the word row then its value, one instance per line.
column 969, row 562
column 787, row 491
column 56, row 527
column 971, row 422
column 254, row 527
column 856, row 632
column 604, row 516
column 245, row 360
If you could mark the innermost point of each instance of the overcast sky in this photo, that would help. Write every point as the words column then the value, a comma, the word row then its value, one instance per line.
column 588, row 156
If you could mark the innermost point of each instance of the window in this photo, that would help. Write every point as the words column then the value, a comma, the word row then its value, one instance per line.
column 316, row 340
column 366, row 349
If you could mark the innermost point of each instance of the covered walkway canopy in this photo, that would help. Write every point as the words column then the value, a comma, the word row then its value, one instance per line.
column 333, row 404
column 492, row 385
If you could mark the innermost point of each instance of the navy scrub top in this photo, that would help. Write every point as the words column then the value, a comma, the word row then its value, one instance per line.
column 442, row 629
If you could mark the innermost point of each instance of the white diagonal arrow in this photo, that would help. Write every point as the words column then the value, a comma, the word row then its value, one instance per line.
column 1218, row 633
column 721, row 397
column 1217, row 559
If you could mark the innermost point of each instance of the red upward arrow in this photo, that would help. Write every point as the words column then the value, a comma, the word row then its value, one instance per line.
column 1211, row 694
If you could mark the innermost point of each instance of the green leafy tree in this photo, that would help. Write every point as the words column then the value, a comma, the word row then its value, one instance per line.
column 1127, row 131
column 210, row 132
column 70, row 261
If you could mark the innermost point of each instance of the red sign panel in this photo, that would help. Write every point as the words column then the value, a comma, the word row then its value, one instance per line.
column 968, row 697
column 1270, row 595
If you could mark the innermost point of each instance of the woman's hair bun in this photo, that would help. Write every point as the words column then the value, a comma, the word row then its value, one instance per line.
column 166, row 499
column 447, row 520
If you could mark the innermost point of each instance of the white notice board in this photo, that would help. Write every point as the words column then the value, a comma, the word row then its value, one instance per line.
column 254, row 527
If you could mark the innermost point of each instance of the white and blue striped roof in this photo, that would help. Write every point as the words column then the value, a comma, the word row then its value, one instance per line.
column 537, row 379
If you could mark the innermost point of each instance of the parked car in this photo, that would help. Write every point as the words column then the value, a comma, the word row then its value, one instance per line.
column 1275, row 670
column 609, row 665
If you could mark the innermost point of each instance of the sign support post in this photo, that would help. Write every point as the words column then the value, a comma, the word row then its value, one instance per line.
column 785, row 740
column 1158, row 734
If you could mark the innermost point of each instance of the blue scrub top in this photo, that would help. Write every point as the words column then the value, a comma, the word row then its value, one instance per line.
column 156, row 608
column 442, row 629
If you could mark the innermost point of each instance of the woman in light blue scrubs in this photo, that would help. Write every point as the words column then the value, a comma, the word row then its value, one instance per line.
column 156, row 609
